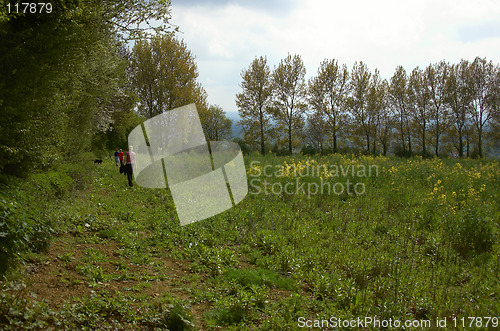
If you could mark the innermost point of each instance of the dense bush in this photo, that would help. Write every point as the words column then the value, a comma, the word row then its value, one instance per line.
column 25, row 222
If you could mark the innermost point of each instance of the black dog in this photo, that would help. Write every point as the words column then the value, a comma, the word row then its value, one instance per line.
column 97, row 161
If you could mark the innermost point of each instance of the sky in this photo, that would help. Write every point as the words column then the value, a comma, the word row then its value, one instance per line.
column 225, row 36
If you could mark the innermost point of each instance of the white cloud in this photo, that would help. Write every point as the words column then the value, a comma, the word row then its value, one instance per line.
column 226, row 37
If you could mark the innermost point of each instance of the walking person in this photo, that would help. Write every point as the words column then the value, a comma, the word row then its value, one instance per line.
column 130, row 164
column 116, row 157
column 120, row 156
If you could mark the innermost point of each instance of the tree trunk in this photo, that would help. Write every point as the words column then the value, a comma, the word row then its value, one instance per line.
column 368, row 143
column 423, row 142
column 290, row 138
column 480, row 142
column 402, row 132
column 262, row 149
column 334, row 134
column 409, row 144
column 460, row 145
column 403, row 135
column 437, row 138
column 468, row 145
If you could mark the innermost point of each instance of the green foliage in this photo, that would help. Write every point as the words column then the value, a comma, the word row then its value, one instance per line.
column 259, row 277
column 420, row 243
column 74, row 53
column 18, row 313
column 216, row 260
column 243, row 145
column 253, row 103
column 237, row 308
column 470, row 234
column 164, row 73
column 437, row 111
column 21, row 230
column 308, row 150
column 216, row 125
column 25, row 224
column 288, row 100
column 328, row 96
column 168, row 312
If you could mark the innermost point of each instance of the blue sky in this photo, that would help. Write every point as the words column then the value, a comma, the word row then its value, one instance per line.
column 226, row 35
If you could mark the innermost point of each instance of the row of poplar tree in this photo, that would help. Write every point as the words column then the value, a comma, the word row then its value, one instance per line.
column 441, row 109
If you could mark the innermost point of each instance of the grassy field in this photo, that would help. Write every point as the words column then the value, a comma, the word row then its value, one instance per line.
column 335, row 237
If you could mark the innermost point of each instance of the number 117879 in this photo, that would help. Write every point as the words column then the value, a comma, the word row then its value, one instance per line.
column 478, row 322
column 30, row 7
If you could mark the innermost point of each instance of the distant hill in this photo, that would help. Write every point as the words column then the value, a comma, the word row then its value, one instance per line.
column 235, row 117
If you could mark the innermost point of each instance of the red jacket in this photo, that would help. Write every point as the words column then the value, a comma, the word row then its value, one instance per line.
column 130, row 157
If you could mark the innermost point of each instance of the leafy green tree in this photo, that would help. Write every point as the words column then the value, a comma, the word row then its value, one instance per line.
column 137, row 19
column 379, row 116
column 485, row 92
column 253, row 101
column 289, row 96
column 420, row 102
column 398, row 98
column 385, row 118
column 435, row 78
column 327, row 95
column 215, row 123
column 495, row 120
column 164, row 74
column 59, row 76
column 458, row 99
column 361, row 119
column 316, row 130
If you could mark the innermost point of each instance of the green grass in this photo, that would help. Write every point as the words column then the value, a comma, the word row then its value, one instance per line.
column 421, row 242
column 259, row 277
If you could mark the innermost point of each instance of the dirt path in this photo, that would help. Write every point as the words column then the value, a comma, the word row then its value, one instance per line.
column 58, row 278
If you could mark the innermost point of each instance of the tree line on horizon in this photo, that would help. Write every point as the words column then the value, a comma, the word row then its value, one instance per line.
column 70, row 83
column 442, row 109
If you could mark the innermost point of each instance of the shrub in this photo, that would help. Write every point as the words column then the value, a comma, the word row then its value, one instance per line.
column 20, row 231
column 246, row 277
column 471, row 233
column 308, row 150
column 24, row 220
column 399, row 151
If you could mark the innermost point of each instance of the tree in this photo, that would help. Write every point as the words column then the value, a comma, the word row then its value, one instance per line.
column 420, row 99
column 164, row 74
column 495, row 120
column 253, row 101
column 360, row 85
column 376, row 104
column 398, row 98
column 316, row 128
column 435, row 78
column 485, row 92
column 458, row 98
column 60, row 75
column 289, row 93
column 215, row 123
column 137, row 19
column 384, row 118
column 328, row 93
